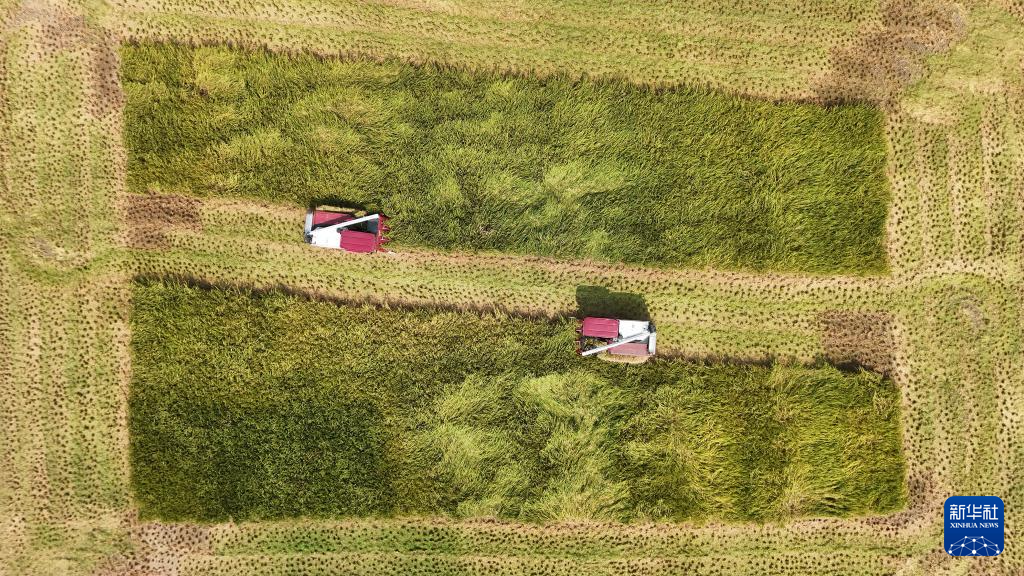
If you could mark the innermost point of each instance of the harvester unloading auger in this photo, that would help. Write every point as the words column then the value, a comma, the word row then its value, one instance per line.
column 629, row 338
column 329, row 227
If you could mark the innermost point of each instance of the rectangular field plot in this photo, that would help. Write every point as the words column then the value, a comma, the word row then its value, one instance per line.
column 479, row 161
column 248, row 406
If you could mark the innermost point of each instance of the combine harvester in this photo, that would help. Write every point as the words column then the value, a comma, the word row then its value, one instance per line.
column 626, row 339
column 329, row 227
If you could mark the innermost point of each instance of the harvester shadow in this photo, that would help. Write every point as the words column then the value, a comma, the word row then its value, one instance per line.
column 339, row 202
column 602, row 302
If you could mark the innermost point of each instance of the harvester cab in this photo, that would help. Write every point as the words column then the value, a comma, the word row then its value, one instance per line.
column 329, row 227
column 623, row 338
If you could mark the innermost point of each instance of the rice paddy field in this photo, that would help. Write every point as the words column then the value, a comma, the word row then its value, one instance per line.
column 90, row 405
column 473, row 161
column 269, row 406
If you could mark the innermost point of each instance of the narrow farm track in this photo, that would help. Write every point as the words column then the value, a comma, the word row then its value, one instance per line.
column 956, row 292
column 376, row 546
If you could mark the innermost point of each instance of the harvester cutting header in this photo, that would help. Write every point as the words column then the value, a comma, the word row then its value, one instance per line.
column 329, row 227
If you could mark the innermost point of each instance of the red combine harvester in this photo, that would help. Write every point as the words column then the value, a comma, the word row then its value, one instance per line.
column 635, row 338
column 329, row 227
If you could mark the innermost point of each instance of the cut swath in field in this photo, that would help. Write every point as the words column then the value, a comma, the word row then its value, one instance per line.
column 477, row 161
column 250, row 406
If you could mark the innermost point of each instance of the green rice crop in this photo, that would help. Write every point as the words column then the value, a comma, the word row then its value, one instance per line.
column 249, row 406
column 478, row 161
